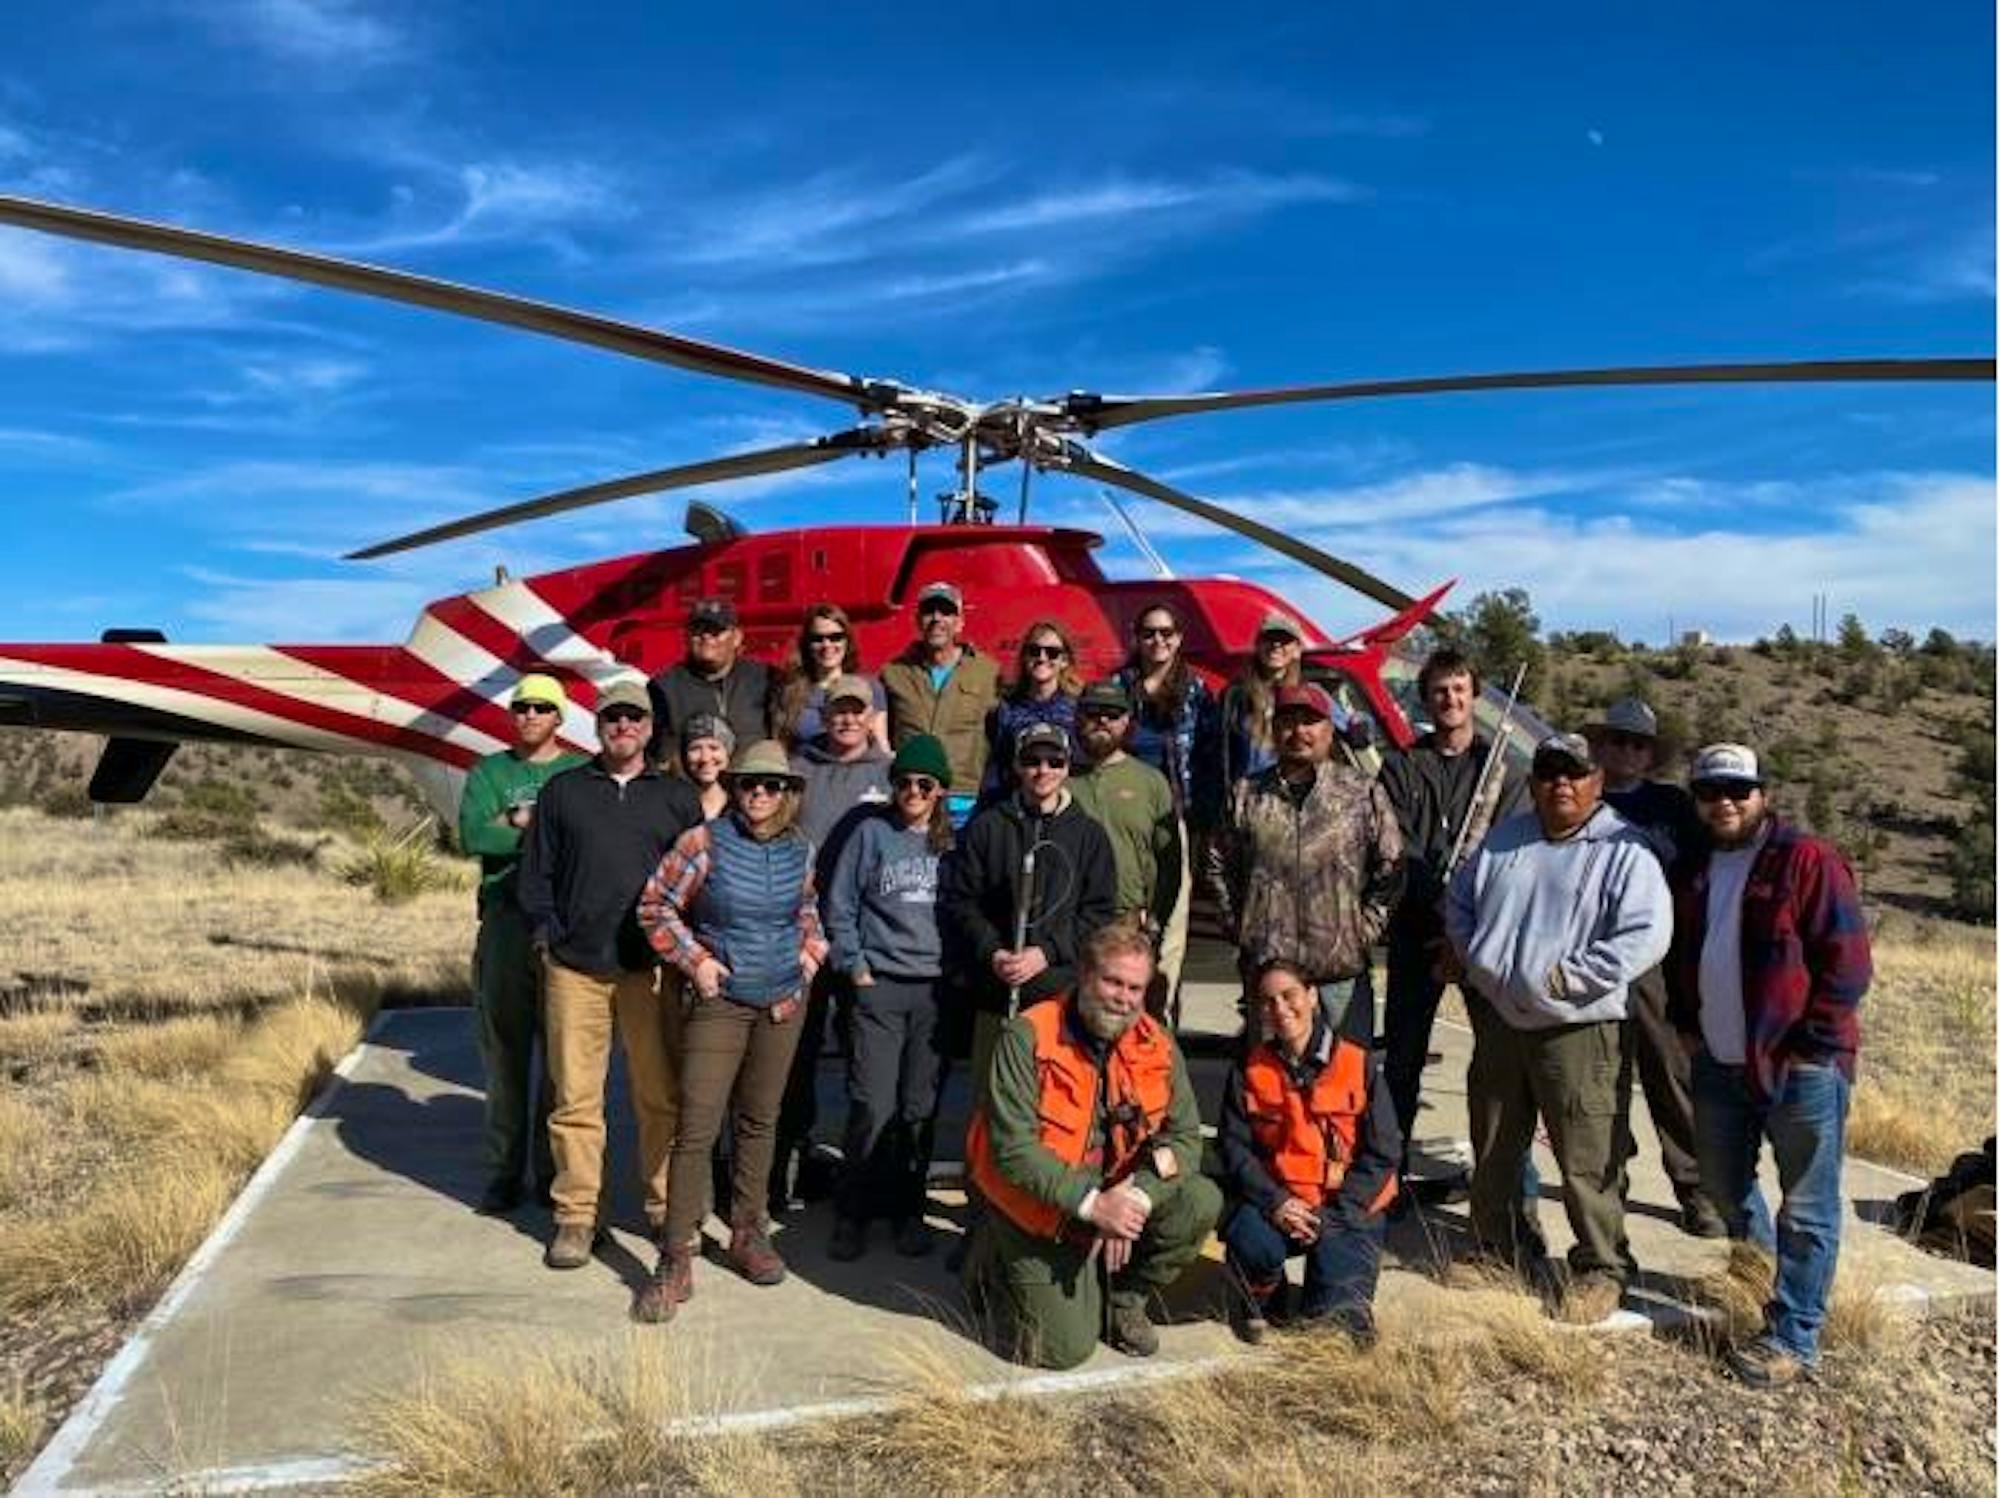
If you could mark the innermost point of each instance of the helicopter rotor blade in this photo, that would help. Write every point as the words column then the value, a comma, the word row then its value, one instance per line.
column 860, row 440
column 1086, row 464
column 1098, row 413
column 444, row 296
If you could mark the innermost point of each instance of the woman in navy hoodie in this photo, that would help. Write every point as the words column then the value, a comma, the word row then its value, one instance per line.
column 881, row 918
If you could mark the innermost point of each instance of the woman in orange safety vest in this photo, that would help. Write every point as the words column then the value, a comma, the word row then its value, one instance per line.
column 1309, row 1144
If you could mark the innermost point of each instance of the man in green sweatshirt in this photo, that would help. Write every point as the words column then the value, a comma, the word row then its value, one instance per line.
column 496, row 808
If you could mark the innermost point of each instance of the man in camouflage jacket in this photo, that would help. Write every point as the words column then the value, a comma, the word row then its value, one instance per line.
column 1308, row 862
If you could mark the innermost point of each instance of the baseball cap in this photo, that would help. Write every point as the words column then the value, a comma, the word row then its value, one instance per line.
column 1304, row 696
column 535, row 687
column 850, row 687
column 625, row 694
column 940, row 592
column 701, row 726
column 1103, row 697
column 1041, row 736
column 1276, row 623
column 1726, row 762
column 719, row 612
column 1629, row 715
column 1571, row 749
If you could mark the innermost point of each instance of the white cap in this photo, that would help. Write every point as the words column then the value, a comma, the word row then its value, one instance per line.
column 1725, row 762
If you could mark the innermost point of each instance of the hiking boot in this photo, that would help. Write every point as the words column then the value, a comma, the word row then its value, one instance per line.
column 1589, row 1299
column 1700, row 1218
column 1132, row 1331
column 849, row 1241
column 1249, row 1310
column 572, row 1245
column 1763, row 1364
column 671, row 1284
column 500, row 1197
column 1356, row 1323
column 751, row 1255
column 913, row 1237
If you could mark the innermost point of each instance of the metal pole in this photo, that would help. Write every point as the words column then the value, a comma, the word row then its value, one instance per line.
column 913, row 486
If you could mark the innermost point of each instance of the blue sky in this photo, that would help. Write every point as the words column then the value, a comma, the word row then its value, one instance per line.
column 1008, row 202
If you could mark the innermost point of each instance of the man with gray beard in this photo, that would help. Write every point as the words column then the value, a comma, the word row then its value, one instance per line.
column 1087, row 1152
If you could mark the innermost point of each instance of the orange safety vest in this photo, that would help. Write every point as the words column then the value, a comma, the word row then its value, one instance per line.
column 1308, row 1138
column 1139, row 1072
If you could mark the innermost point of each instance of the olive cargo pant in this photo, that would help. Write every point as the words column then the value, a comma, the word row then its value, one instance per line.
column 583, row 1010
column 507, row 999
column 1051, row 1292
column 1578, row 1078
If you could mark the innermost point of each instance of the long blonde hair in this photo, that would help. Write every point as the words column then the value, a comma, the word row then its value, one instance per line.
column 1067, row 680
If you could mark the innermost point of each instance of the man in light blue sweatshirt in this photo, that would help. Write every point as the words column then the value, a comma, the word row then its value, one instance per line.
column 1552, row 919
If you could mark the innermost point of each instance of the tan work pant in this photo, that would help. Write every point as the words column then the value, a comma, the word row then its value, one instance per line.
column 582, row 1011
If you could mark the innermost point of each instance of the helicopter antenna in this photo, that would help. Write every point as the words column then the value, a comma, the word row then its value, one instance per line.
column 1152, row 554
column 913, row 485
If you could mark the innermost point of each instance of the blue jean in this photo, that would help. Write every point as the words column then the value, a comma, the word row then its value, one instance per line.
column 1807, row 1126
column 1341, row 1267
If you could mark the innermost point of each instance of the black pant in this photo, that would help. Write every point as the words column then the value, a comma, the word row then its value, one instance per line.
column 1664, row 1073
column 894, row 1068
column 800, row 1109
column 1407, row 1017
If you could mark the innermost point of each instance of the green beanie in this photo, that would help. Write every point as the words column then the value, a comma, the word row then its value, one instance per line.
column 923, row 755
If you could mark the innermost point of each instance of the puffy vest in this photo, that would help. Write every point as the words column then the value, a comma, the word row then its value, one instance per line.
column 747, row 912
column 1307, row 1138
column 1138, row 1083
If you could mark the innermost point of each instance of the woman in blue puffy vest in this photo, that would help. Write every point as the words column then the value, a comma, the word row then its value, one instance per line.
column 732, row 905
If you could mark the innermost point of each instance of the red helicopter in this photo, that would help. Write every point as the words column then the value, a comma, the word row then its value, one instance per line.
column 435, row 701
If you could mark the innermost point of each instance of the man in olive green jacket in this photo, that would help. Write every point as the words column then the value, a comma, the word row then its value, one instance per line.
column 496, row 808
column 943, row 687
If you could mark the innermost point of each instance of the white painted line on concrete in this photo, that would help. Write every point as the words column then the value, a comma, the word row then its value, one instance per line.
column 336, row 1471
column 52, row 1468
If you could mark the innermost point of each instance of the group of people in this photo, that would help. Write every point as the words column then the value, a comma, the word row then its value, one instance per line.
column 940, row 862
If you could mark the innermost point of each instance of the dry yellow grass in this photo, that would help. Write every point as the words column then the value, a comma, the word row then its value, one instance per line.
column 21, row 1420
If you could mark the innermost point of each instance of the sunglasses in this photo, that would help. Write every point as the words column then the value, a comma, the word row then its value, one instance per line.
column 835, row 637
column 765, row 785
column 1550, row 774
column 1045, row 762
column 623, row 715
column 937, row 606
column 1104, row 714
column 535, row 709
column 1043, row 652
column 923, row 785
column 1156, row 632
column 1725, row 790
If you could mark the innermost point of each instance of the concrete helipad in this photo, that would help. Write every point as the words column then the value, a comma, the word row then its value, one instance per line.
column 353, row 1259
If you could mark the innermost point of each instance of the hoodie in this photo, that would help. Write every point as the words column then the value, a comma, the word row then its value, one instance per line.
column 881, row 901
column 838, row 793
column 1552, row 932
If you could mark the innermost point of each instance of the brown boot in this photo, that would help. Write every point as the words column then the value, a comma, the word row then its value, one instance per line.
column 671, row 1284
column 571, row 1247
column 751, row 1254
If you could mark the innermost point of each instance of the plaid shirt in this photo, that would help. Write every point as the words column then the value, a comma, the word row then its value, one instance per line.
column 670, row 894
column 1806, row 960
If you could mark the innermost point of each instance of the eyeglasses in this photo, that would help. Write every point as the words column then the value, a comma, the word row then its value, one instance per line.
column 1043, row 652
column 923, row 785
column 1156, row 632
column 832, row 637
column 535, row 709
column 1045, row 762
column 1725, row 790
column 623, row 715
column 762, row 785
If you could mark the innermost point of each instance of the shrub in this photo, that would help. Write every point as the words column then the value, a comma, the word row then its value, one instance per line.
column 66, row 801
column 397, row 870
column 343, row 809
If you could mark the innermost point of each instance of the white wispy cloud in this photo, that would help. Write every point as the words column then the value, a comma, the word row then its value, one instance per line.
column 489, row 202
column 1448, row 490
column 1222, row 194
column 347, row 33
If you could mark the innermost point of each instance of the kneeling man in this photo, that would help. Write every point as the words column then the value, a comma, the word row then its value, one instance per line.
column 1087, row 1151
column 1309, row 1145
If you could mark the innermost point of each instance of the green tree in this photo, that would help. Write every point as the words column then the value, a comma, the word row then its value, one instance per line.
column 1501, row 632
column 1899, row 643
column 1854, row 642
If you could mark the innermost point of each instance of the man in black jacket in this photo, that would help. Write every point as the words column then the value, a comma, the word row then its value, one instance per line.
column 713, row 678
column 1431, row 785
column 1072, row 892
column 599, row 831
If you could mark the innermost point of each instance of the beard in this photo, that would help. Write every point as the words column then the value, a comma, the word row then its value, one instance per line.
column 1100, row 1020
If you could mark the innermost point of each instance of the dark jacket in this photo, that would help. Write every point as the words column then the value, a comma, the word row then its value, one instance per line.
column 1244, row 1172
column 1806, row 958
column 1666, row 818
column 590, row 850
column 1075, row 893
column 1432, row 795
column 742, row 698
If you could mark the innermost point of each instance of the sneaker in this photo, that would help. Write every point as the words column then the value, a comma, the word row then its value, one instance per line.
column 500, row 1197
column 1763, row 1364
column 914, row 1237
column 1132, row 1331
column 751, row 1255
column 849, row 1241
column 672, row 1283
column 1589, row 1300
column 572, row 1245
column 1700, row 1218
